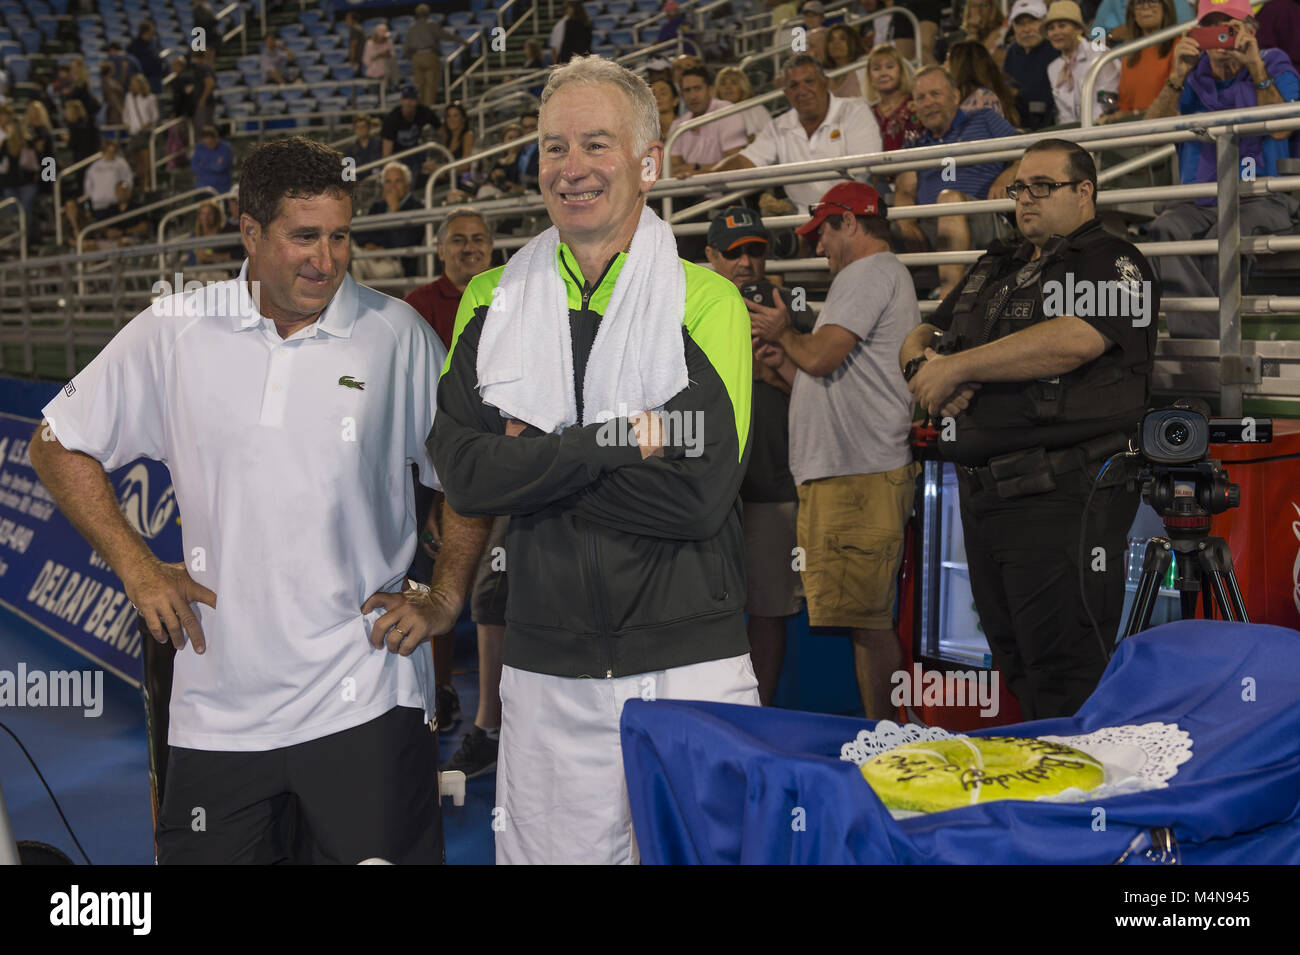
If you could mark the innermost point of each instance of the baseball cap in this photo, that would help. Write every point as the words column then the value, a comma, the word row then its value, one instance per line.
column 735, row 226
column 1065, row 10
column 856, row 197
column 671, row 8
column 1035, row 8
column 409, row 92
column 1235, row 9
column 812, row 6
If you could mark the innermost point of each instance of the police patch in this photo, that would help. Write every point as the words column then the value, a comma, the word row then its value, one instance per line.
column 1127, row 271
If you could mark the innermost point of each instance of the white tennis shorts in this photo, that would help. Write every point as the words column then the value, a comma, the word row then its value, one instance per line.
column 561, row 792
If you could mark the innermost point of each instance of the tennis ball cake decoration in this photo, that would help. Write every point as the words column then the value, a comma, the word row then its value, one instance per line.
column 934, row 775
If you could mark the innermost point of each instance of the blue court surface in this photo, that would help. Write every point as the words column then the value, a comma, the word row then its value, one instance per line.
column 98, row 767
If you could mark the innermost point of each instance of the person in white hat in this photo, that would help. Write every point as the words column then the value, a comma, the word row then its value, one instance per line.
column 1065, row 28
column 1026, row 64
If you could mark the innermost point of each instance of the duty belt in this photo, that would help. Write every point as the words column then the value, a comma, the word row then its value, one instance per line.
column 1034, row 471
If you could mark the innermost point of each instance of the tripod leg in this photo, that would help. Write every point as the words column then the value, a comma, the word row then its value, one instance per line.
column 1216, row 557
column 1155, row 564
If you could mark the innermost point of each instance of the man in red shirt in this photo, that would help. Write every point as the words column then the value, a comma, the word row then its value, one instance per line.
column 465, row 247
column 464, row 243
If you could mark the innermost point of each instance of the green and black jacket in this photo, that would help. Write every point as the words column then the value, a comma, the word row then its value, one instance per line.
column 617, row 565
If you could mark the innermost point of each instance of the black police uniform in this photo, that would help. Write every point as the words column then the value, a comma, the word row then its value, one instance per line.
column 1028, row 454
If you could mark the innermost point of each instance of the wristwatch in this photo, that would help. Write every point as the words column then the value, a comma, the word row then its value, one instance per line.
column 411, row 585
column 1268, row 81
column 912, row 367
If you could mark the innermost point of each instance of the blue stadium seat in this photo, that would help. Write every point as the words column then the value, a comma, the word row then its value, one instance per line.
column 20, row 68
column 314, row 74
column 291, row 29
column 226, row 79
column 299, row 44
column 246, row 63
column 604, row 23
column 230, row 97
column 368, row 101
column 343, row 73
column 292, row 93
column 48, row 26
column 31, row 40
column 309, row 17
column 458, row 19
column 328, row 41
column 334, row 57
column 319, row 31
column 307, row 58
column 623, row 38
column 10, row 52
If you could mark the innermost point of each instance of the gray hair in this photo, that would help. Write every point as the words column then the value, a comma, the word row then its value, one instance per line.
column 936, row 69
column 463, row 212
column 596, row 70
column 802, row 59
column 401, row 167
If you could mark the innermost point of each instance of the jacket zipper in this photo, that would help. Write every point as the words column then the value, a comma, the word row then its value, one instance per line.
column 593, row 575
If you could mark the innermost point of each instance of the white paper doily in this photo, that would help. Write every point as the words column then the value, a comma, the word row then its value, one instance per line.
column 1136, row 757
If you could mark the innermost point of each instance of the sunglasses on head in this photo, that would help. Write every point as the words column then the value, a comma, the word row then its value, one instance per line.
column 754, row 250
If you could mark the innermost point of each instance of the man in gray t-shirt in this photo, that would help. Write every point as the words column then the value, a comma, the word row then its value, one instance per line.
column 850, row 412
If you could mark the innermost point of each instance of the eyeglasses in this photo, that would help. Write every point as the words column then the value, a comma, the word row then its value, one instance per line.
column 755, row 250
column 812, row 209
column 1039, row 190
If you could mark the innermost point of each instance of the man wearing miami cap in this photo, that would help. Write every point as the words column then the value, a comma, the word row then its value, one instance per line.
column 850, row 412
column 1207, row 81
column 737, row 249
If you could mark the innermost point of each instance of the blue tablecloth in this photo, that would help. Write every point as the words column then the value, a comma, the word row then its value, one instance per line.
column 717, row 783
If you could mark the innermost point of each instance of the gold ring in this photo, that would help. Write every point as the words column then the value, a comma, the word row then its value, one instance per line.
column 402, row 632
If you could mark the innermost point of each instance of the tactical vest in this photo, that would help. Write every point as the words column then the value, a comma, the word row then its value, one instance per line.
column 1054, row 412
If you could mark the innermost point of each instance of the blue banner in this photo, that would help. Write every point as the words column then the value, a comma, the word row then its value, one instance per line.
column 50, row 576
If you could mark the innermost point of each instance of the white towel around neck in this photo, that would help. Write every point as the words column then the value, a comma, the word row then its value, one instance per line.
column 637, row 361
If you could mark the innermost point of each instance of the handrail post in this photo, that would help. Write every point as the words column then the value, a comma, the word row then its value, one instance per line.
column 1231, row 377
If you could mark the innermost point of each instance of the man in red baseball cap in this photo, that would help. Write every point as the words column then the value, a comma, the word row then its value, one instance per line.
column 1220, row 66
column 850, row 411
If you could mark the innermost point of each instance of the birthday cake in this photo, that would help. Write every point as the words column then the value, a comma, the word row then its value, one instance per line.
column 933, row 775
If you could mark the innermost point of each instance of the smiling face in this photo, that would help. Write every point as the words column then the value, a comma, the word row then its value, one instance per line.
column 1149, row 14
column 301, row 257
column 467, row 250
column 1029, row 31
column 936, row 102
column 1063, row 35
column 807, row 91
column 885, row 74
column 589, row 166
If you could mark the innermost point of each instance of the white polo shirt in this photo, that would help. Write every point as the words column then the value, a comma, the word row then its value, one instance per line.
column 849, row 129
column 291, row 464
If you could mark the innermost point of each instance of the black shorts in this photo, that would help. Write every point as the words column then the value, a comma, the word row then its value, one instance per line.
column 366, row 792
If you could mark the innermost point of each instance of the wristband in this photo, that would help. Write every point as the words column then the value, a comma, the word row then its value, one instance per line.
column 1268, row 81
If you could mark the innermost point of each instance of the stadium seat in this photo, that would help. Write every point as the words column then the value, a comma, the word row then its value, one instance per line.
column 327, row 40
column 292, row 94
column 226, row 79
column 319, row 31
column 343, row 73
column 334, row 57
column 308, row 58
column 246, row 63
column 31, row 40
column 20, row 68
column 314, row 74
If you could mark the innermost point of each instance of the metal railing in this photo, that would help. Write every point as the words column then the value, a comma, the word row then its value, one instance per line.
column 21, row 234
column 182, row 210
column 124, row 217
column 779, row 51
column 1238, row 371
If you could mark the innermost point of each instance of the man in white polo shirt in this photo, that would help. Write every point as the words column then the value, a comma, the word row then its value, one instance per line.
column 818, row 126
column 289, row 405
column 696, row 150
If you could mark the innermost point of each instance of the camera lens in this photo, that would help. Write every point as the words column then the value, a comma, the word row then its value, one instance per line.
column 1177, row 433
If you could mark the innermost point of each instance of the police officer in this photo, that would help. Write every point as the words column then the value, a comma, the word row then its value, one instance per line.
column 1036, row 369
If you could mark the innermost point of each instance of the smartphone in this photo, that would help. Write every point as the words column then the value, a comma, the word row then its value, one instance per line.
column 1220, row 37
column 760, row 292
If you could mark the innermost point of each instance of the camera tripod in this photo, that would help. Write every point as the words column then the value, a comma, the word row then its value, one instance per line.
column 1203, row 564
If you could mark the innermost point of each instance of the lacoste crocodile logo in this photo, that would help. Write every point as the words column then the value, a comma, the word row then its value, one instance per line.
column 347, row 381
